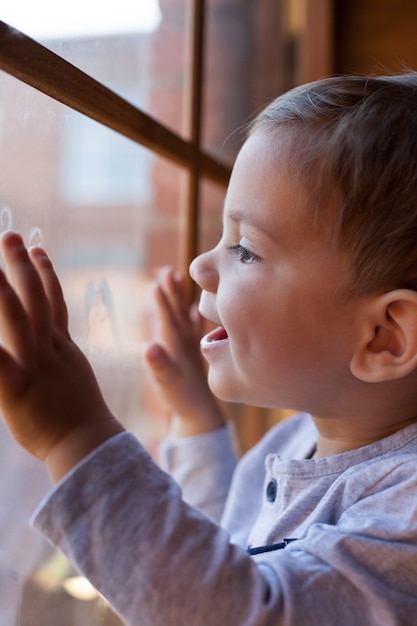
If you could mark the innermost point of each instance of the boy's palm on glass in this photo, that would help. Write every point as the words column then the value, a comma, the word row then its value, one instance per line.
column 175, row 361
column 48, row 393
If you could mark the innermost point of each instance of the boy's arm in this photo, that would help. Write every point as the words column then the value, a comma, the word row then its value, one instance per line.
column 175, row 362
column 49, row 397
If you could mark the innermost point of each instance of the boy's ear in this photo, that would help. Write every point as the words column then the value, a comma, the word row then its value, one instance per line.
column 388, row 346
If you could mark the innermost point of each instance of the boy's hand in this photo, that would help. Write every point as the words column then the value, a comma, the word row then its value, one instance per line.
column 49, row 397
column 175, row 360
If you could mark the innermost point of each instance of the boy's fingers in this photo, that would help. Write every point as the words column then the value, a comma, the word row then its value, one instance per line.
column 160, row 364
column 16, row 330
column 173, row 286
column 26, row 282
column 52, row 288
column 166, row 315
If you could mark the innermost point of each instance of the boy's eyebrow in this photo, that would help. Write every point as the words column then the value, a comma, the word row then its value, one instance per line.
column 237, row 216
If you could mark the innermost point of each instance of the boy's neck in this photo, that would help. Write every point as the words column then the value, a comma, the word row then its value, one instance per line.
column 336, row 436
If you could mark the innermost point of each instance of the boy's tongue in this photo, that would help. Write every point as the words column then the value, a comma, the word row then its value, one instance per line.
column 218, row 334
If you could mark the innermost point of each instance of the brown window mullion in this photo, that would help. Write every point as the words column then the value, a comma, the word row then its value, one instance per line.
column 38, row 67
column 192, row 209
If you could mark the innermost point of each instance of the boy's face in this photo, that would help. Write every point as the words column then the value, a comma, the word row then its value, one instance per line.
column 274, row 287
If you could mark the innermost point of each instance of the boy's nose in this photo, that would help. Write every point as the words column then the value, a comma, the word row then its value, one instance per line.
column 204, row 273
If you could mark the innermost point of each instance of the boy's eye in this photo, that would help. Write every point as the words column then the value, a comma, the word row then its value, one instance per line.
column 243, row 254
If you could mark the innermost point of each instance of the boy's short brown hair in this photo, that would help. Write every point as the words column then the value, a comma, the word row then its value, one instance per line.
column 358, row 135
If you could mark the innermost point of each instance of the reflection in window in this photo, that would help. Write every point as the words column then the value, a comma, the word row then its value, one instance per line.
column 98, row 166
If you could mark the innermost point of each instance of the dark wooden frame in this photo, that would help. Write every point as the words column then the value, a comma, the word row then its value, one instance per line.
column 39, row 67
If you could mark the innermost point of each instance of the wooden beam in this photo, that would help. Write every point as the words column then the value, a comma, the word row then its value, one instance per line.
column 193, row 208
column 39, row 67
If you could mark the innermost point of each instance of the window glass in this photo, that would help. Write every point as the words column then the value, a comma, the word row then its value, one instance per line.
column 227, row 75
column 138, row 48
column 50, row 20
column 245, row 67
column 108, row 212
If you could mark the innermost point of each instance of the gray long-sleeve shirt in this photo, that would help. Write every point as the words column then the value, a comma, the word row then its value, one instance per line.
column 162, row 562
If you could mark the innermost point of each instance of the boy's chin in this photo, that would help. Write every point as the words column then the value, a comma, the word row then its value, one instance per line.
column 230, row 390
column 224, row 389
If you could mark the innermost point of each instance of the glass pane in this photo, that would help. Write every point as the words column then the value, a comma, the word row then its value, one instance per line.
column 138, row 48
column 245, row 67
column 108, row 212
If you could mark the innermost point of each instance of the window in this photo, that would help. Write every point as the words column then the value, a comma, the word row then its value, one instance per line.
column 116, row 139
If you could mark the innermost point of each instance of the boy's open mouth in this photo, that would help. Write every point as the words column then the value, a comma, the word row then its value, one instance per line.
column 218, row 334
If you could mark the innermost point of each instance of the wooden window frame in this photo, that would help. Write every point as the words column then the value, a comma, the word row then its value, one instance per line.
column 37, row 66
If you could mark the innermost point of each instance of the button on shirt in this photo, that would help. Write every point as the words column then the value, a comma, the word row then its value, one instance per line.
column 271, row 490
column 292, row 491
